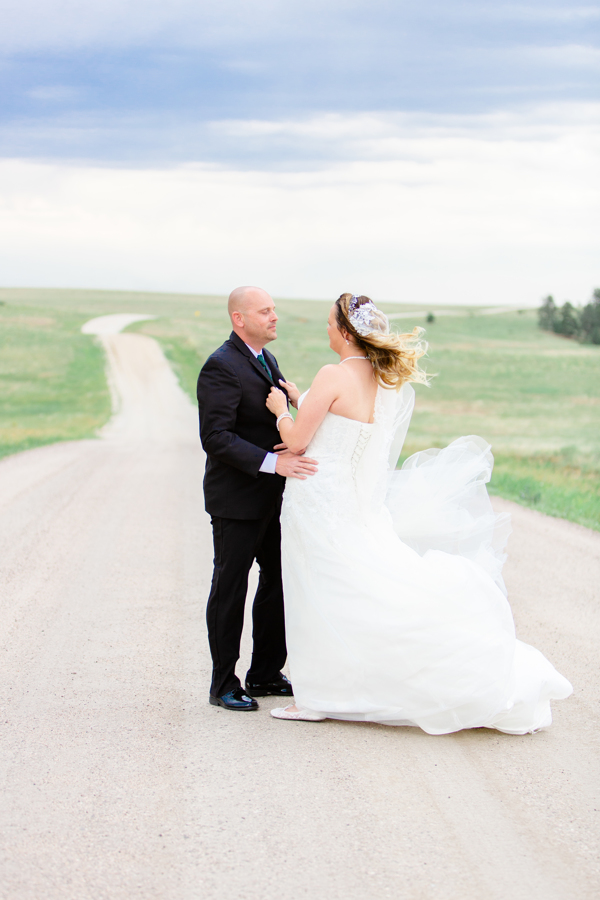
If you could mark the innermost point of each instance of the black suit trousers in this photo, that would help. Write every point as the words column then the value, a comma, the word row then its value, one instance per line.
column 237, row 543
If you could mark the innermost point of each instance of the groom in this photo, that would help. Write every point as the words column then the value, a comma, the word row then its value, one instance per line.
column 243, row 486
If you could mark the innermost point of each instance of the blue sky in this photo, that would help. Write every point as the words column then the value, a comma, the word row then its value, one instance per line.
column 449, row 107
column 139, row 82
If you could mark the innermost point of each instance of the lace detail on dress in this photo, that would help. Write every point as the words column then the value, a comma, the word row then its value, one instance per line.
column 362, row 441
column 378, row 409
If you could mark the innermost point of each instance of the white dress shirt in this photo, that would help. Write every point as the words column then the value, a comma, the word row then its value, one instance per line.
column 270, row 461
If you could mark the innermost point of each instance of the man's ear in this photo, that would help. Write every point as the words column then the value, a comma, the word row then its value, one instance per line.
column 238, row 319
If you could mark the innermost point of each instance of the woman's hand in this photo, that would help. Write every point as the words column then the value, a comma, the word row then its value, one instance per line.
column 292, row 391
column 276, row 402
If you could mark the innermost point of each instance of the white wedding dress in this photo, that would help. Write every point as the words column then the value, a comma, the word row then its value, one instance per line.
column 394, row 601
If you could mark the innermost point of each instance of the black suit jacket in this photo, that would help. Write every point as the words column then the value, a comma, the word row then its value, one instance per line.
column 236, row 430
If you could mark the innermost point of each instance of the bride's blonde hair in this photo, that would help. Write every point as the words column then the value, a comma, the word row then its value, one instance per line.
column 394, row 357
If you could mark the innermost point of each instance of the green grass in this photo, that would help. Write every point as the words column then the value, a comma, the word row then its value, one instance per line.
column 52, row 378
column 52, row 382
column 535, row 396
column 551, row 486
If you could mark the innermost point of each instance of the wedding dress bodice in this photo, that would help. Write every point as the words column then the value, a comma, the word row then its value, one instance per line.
column 338, row 445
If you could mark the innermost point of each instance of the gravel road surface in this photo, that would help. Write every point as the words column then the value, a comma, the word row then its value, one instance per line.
column 120, row 782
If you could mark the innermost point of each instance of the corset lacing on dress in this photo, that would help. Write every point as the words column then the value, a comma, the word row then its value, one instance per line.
column 361, row 442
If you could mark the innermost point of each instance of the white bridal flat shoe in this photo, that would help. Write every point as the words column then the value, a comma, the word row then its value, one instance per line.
column 301, row 715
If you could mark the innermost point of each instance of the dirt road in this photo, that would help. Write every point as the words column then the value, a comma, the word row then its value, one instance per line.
column 120, row 782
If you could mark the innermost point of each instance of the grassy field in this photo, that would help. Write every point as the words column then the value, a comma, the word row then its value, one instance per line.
column 52, row 384
column 52, row 381
column 535, row 396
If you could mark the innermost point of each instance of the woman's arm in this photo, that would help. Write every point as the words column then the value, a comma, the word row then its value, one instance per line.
column 324, row 390
column 292, row 391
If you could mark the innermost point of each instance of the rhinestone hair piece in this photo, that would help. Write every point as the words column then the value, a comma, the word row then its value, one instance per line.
column 366, row 319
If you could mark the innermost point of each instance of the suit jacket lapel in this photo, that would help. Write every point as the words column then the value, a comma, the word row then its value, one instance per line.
column 251, row 357
column 275, row 372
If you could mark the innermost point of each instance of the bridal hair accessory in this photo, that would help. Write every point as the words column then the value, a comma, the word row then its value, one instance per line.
column 366, row 318
column 285, row 415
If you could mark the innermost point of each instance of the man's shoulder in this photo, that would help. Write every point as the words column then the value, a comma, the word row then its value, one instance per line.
column 219, row 372
column 226, row 355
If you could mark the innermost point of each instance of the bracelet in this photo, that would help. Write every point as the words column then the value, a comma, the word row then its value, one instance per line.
column 285, row 415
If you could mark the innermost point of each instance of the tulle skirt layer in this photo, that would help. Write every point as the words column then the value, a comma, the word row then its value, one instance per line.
column 399, row 616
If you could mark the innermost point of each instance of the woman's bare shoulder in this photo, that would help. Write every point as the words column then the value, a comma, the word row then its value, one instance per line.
column 328, row 373
column 326, row 382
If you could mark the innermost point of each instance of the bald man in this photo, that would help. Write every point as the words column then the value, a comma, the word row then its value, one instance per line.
column 243, row 486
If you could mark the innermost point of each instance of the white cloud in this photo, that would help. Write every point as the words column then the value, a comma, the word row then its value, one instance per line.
column 411, row 135
column 498, row 210
column 567, row 56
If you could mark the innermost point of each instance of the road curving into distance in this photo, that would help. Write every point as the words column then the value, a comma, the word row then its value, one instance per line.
column 120, row 782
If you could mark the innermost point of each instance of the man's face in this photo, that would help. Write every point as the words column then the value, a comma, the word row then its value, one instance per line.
column 257, row 322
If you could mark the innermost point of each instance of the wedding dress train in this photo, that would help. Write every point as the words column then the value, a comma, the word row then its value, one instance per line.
column 395, row 606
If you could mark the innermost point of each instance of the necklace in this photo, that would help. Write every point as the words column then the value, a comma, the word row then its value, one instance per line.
column 353, row 357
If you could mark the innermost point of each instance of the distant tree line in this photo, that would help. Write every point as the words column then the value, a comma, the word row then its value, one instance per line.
column 582, row 323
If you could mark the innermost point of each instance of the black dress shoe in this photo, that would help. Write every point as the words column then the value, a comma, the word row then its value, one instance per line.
column 235, row 699
column 279, row 686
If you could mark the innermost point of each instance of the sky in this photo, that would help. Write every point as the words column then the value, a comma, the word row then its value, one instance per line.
column 427, row 152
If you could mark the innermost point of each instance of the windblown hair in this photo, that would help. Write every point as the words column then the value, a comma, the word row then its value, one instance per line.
column 394, row 357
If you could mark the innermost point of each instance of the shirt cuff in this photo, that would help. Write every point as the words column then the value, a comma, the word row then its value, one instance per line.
column 269, row 463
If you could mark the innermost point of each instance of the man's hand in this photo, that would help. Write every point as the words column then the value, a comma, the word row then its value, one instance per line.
column 293, row 465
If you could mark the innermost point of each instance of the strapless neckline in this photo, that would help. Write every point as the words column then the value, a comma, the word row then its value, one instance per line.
column 337, row 415
column 348, row 419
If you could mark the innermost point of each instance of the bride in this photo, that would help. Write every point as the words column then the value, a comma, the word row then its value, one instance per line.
column 394, row 601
